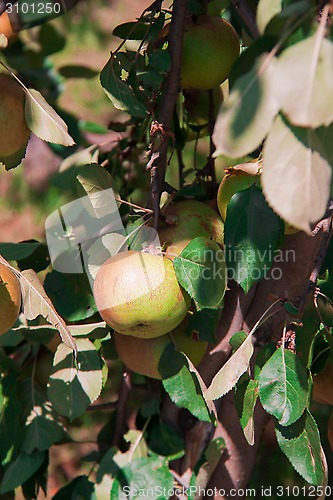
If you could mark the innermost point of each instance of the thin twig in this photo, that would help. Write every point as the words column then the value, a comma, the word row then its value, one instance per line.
column 121, row 407
column 247, row 15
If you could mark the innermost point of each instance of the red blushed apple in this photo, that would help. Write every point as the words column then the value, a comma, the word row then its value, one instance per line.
column 143, row 355
column 186, row 220
column 10, row 299
column 137, row 293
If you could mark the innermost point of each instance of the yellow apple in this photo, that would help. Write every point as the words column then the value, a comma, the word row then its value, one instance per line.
column 236, row 179
column 10, row 299
column 186, row 220
column 210, row 48
column 143, row 355
column 14, row 132
column 137, row 293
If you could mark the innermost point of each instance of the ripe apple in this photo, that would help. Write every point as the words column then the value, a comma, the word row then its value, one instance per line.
column 210, row 48
column 14, row 132
column 186, row 220
column 236, row 179
column 10, row 299
column 143, row 355
column 137, row 293
column 323, row 385
column 6, row 27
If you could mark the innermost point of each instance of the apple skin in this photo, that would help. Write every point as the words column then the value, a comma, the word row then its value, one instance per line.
column 236, row 179
column 14, row 132
column 210, row 48
column 143, row 355
column 323, row 385
column 6, row 27
column 187, row 220
column 10, row 299
column 137, row 293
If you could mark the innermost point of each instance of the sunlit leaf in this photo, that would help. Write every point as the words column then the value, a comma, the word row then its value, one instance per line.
column 246, row 116
column 43, row 121
column 36, row 302
column 266, row 10
column 303, row 78
column 231, row 371
column 295, row 176
column 73, row 386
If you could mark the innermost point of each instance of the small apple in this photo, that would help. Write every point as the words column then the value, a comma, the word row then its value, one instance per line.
column 186, row 220
column 210, row 48
column 10, row 299
column 237, row 178
column 143, row 355
column 137, row 293
column 14, row 132
column 323, row 385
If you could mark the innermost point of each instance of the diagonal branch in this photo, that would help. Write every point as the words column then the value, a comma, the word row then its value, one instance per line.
column 161, row 128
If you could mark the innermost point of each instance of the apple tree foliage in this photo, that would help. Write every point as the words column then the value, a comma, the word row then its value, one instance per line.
column 277, row 110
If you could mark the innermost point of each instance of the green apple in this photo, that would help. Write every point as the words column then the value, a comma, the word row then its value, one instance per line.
column 137, row 293
column 186, row 220
column 210, row 48
column 143, row 355
column 14, row 132
column 10, row 299
column 236, row 179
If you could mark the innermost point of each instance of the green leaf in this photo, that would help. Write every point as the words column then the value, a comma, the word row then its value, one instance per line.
column 78, row 489
column 131, row 31
column 41, row 424
column 119, row 91
column 73, row 387
column 140, row 476
column 182, row 385
column 231, row 371
column 249, row 400
column 43, row 121
column 77, row 71
column 310, row 61
column 71, row 295
column 97, row 184
column 252, row 233
column 23, row 467
column 166, row 441
column 283, row 386
column 266, row 10
column 300, row 442
column 246, row 116
column 296, row 175
column 200, row 269
column 204, row 323
column 10, row 411
column 18, row 251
